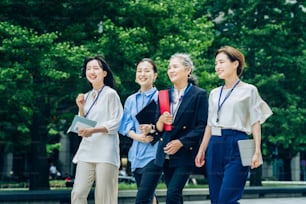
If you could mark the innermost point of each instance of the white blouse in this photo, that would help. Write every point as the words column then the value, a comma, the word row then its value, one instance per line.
column 102, row 147
column 243, row 108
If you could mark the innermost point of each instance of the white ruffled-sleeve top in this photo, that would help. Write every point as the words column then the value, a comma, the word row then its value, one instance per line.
column 243, row 108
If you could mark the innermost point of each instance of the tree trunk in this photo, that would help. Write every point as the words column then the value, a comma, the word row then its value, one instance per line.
column 286, row 175
column 39, row 170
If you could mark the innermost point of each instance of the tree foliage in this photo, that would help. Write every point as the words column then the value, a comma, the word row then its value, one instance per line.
column 38, row 77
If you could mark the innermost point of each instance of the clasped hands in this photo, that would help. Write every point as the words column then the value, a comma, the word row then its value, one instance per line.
column 146, row 129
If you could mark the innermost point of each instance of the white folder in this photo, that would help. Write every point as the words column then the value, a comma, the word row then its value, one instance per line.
column 247, row 150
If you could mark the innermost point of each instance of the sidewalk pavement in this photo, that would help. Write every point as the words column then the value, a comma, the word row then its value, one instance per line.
column 290, row 200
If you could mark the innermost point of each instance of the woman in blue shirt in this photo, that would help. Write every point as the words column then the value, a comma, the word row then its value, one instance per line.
column 143, row 150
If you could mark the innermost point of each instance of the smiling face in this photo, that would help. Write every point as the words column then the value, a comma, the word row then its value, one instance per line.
column 224, row 67
column 177, row 72
column 145, row 75
column 95, row 73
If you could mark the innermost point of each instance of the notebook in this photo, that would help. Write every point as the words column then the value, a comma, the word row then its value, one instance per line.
column 147, row 114
column 247, row 149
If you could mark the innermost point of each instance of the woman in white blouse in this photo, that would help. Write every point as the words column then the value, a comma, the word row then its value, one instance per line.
column 235, row 110
column 97, row 157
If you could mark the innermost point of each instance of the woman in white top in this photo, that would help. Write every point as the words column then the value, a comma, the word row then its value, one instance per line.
column 97, row 157
column 235, row 110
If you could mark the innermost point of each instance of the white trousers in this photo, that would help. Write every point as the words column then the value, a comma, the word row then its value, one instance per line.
column 105, row 176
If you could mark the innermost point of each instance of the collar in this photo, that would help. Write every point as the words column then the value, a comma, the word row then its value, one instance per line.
column 148, row 92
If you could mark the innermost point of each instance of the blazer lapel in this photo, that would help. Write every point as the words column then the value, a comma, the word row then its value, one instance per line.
column 183, row 106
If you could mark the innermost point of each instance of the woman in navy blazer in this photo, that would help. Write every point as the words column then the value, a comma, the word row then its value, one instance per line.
column 187, row 116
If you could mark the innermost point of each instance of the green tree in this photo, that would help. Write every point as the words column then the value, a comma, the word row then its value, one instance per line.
column 155, row 29
column 38, row 76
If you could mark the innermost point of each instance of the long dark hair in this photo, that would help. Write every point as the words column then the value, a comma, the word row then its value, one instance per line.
column 109, row 79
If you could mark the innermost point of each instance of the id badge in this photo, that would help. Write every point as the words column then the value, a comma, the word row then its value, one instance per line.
column 216, row 131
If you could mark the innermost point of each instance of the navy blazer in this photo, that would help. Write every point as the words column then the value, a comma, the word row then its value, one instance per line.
column 188, row 126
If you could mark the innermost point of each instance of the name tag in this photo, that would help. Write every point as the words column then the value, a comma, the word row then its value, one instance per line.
column 216, row 131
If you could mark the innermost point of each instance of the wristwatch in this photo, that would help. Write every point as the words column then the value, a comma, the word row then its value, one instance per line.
column 152, row 128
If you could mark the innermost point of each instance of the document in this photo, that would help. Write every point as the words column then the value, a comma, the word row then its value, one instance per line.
column 79, row 123
column 247, row 150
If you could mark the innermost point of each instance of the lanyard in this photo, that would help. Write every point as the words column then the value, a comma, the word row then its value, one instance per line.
column 226, row 97
column 174, row 111
column 93, row 103
column 153, row 94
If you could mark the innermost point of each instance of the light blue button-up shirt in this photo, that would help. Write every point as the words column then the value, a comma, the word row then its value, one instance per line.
column 140, row 154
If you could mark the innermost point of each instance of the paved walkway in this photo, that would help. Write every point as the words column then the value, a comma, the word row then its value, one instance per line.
column 293, row 200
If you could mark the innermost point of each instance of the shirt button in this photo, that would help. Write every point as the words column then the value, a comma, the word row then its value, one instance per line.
column 190, row 148
column 161, row 139
column 184, row 127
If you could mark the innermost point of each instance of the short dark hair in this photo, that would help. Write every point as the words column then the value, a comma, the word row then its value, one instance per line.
column 233, row 54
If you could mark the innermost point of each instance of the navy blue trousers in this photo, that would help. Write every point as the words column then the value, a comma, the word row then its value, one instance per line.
column 147, row 179
column 226, row 175
column 175, row 179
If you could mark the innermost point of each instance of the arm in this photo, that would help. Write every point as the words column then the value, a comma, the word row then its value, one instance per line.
column 165, row 118
column 128, row 124
column 80, row 101
column 195, row 119
column 140, row 137
column 256, row 131
column 108, row 118
column 200, row 158
column 113, row 113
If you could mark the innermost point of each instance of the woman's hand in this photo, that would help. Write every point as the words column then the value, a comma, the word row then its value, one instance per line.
column 85, row 132
column 255, row 161
column 80, row 100
column 140, row 137
column 172, row 147
column 166, row 118
column 146, row 128
column 144, row 138
column 200, row 159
